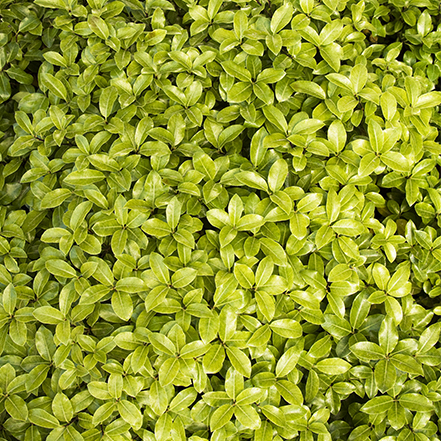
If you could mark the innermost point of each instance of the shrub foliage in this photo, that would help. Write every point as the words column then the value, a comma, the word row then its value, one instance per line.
column 220, row 220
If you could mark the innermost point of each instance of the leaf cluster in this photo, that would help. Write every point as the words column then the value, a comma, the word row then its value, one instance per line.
column 220, row 220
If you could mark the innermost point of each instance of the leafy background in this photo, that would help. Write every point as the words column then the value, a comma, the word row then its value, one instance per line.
column 220, row 220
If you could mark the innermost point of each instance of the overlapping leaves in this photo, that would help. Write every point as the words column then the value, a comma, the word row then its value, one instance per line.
column 219, row 220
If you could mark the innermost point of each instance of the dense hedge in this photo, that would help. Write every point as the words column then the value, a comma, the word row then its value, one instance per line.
column 220, row 220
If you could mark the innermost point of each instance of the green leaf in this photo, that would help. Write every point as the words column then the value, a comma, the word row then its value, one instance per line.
column 79, row 214
column 396, row 161
column 309, row 88
column 237, row 71
column 230, row 134
column 41, row 418
column 333, row 366
column 60, row 268
column 55, row 198
column 5, row 88
column 16, row 407
column 388, row 335
column 381, row 276
column 281, row 18
column 99, row 389
column 309, row 202
column 194, row 349
column 219, row 221
column 263, row 91
column 407, row 364
column 396, row 416
column 183, row 399
column 10, row 299
column 340, row 81
column 249, row 396
column 218, row 218
column 347, row 104
column 99, row 27
column 213, row 360
column 270, row 75
column 244, row 275
column 378, row 405
column 130, row 285
column 93, row 294
column 287, row 328
column 55, row 58
column 239, row 360
column 48, row 315
column 299, row 225
column 103, row 412
column 162, row 343
column 288, row 361
column 168, row 371
column 368, row 164
column 385, row 375
column 130, row 414
column 277, row 175
column 331, row 54
column 247, row 416
column 54, row 4
column 56, row 86
column 264, row 432
column 240, row 23
column 173, row 213
column 358, row 77
column 336, row 326
column 107, row 100
column 367, row 351
column 159, row 268
column 388, row 104
column 429, row 337
column 252, row 179
column 183, row 277
column 62, row 407
column 266, row 304
column 274, row 414
column 221, row 416
column 240, row 92
column 415, row 402
column 203, row 163
column 428, row 100
column 156, row 227
column 249, row 222
column 331, row 32
column 274, row 250
column 276, row 117
column 337, row 135
column 376, row 136
column 307, row 127
column 84, row 177
column 264, row 271
column 348, row 227
column 122, row 305
column 260, row 337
